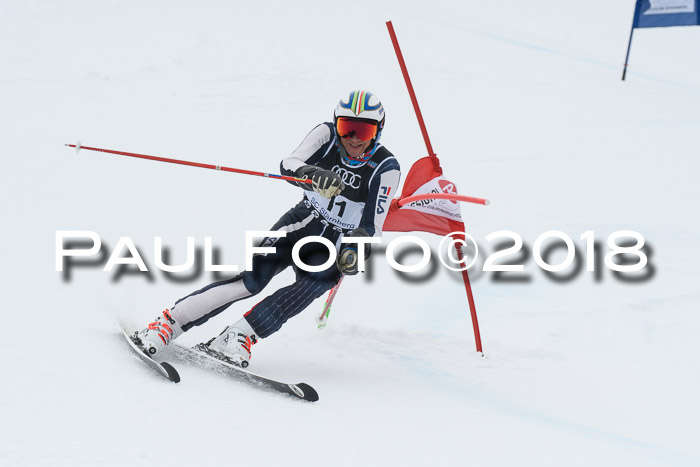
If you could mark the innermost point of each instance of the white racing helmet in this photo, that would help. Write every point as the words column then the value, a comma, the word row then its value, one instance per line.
column 363, row 106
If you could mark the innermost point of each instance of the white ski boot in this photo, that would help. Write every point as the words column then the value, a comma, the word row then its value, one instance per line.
column 158, row 334
column 233, row 345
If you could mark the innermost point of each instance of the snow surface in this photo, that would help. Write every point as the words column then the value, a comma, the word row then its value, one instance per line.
column 524, row 105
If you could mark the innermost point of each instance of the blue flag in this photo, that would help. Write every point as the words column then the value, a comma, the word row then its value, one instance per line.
column 663, row 13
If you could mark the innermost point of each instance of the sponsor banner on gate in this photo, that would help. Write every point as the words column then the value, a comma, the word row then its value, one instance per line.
column 665, row 13
column 437, row 207
column 666, row 7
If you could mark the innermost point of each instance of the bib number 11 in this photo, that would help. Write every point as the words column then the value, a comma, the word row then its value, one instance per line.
column 341, row 204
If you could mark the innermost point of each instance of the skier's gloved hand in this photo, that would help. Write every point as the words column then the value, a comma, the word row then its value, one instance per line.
column 347, row 260
column 325, row 182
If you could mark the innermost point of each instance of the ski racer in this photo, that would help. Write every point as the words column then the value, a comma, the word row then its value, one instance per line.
column 352, row 175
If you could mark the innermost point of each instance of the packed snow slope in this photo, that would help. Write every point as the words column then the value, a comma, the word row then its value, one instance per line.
column 524, row 105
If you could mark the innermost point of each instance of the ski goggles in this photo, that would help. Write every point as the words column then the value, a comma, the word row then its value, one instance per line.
column 347, row 128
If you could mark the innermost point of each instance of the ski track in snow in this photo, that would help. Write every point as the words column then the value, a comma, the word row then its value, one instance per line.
column 462, row 391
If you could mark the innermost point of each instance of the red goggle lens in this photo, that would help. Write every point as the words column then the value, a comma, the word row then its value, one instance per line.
column 348, row 128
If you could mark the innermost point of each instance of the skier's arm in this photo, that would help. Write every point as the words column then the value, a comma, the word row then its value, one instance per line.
column 309, row 152
column 301, row 162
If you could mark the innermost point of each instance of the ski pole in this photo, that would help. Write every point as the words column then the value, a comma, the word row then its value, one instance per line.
column 322, row 319
column 78, row 147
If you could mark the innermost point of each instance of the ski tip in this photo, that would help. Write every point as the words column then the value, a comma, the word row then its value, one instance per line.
column 307, row 392
column 172, row 372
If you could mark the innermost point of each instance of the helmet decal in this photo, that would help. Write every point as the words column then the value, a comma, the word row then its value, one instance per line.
column 359, row 102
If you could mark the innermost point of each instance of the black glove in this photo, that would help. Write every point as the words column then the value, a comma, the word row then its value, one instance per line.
column 325, row 182
column 347, row 260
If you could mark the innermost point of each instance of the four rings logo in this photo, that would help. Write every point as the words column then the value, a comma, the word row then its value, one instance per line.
column 349, row 179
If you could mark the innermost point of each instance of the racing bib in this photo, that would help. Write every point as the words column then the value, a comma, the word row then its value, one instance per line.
column 338, row 210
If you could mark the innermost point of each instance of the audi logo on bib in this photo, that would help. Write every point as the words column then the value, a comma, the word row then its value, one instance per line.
column 349, row 179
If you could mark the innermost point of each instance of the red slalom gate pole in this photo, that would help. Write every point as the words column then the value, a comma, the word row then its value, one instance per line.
column 411, row 92
column 470, row 298
column 452, row 197
column 78, row 147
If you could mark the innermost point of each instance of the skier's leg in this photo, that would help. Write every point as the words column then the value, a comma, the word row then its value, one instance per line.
column 234, row 343
column 269, row 315
column 205, row 303
column 200, row 306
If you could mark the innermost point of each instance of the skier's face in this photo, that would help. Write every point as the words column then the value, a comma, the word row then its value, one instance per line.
column 354, row 146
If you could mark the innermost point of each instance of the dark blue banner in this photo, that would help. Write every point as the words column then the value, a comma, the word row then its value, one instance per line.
column 664, row 13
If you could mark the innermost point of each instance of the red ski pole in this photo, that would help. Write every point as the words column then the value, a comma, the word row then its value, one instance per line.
column 78, row 147
column 322, row 319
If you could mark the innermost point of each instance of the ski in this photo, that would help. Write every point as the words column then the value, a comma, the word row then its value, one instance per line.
column 202, row 358
column 164, row 368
